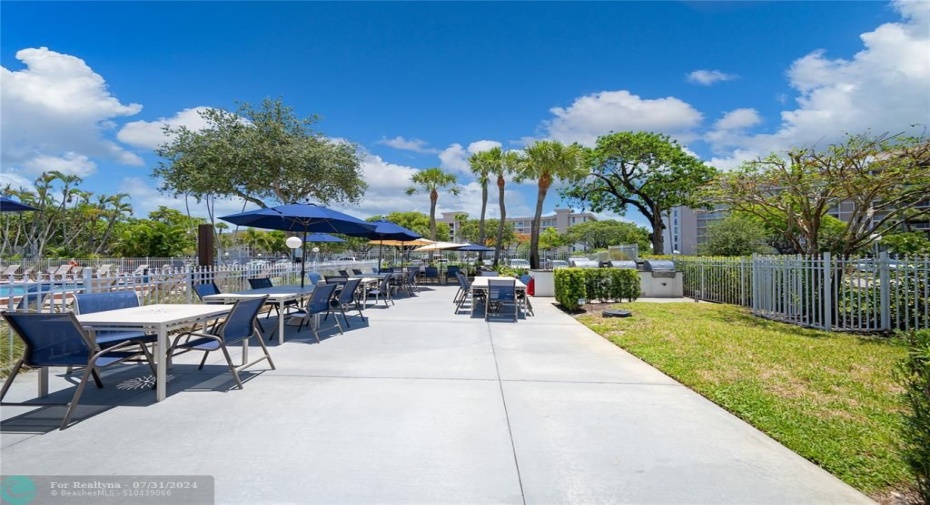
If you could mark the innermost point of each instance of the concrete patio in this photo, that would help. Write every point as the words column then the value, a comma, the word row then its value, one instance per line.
column 419, row 405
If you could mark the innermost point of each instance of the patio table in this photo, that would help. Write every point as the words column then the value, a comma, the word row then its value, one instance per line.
column 481, row 284
column 276, row 294
column 160, row 318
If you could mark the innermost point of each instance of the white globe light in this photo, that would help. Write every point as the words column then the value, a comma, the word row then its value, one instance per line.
column 316, row 249
column 293, row 242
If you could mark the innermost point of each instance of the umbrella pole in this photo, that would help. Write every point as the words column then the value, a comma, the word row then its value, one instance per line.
column 380, row 245
column 303, row 260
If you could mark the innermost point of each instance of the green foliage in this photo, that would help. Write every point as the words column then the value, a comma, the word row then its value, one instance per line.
column 469, row 232
column 601, row 234
column 735, row 235
column 907, row 244
column 259, row 154
column 913, row 374
column 881, row 178
column 648, row 171
column 545, row 161
column 578, row 285
column 430, row 181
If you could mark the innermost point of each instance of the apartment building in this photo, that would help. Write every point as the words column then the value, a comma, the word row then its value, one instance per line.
column 561, row 220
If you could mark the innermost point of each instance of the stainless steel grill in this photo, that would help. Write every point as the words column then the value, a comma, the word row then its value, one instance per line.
column 583, row 263
column 658, row 266
column 623, row 264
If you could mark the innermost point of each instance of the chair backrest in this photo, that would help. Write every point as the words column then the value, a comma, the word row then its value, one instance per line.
column 104, row 270
column 10, row 270
column 432, row 272
column 356, row 271
column 463, row 281
column 502, row 289
column 347, row 295
column 51, row 339
column 141, row 269
column 314, row 277
column 344, row 273
column 207, row 288
column 412, row 276
column 319, row 300
column 86, row 303
column 525, row 279
column 34, row 297
column 452, row 270
column 240, row 322
column 260, row 282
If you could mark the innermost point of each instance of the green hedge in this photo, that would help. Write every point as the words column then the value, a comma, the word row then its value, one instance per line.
column 603, row 284
column 914, row 375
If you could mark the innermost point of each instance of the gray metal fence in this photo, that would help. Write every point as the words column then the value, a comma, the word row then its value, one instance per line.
column 868, row 295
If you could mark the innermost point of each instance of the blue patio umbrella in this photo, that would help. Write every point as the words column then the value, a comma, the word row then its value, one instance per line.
column 386, row 230
column 474, row 248
column 304, row 218
column 9, row 205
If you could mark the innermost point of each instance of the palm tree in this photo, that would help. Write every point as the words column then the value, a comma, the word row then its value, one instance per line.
column 483, row 165
column 431, row 181
column 505, row 164
column 545, row 161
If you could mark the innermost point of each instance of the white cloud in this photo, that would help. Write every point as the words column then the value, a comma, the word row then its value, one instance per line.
column 455, row 159
column 146, row 198
column 882, row 88
column 70, row 164
column 482, row 145
column 597, row 114
column 57, row 105
column 150, row 134
column 738, row 119
column 708, row 77
column 403, row 144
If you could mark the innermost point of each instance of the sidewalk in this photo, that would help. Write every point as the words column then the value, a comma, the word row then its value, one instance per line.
column 419, row 405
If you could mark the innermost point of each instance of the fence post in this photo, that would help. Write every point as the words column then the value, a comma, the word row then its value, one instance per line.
column 826, row 291
column 742, row 281
column 87, row 281
column 884, row 279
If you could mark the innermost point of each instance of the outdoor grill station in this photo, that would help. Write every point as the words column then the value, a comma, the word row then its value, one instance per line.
column 658, row 278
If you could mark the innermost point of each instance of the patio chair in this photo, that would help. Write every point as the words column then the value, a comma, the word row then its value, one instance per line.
column 319, row 303
column 451, row 272
column 86, row 303
column 346, row 299
column 464, row 293
column 240, row 325
column 27, row 273
column 501, row 293
column 357, row 271
column 204, row 289
column 265, row 282
column 432, row 273
column 314, row 278
column 409, row 283
column 104, row 270
column 382, row 291
column 59, row 340
column 60, row 273
column 344, row 273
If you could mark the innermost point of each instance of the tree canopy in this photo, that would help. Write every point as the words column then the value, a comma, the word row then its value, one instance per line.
column 601, row 234
column 261, row 155
column 878, row 179
column 648, row 171
column 735, row 235
column 431, row 181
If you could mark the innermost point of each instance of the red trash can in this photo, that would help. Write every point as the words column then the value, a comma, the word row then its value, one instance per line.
column 531, row 287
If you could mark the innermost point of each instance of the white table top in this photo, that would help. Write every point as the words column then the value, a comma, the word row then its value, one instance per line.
column 482, row 282
column 153, row 315
column 275, row 293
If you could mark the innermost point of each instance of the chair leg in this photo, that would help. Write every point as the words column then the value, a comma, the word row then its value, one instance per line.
column 337, row 321
column 265, row 350
column 344, row 316
column 9, row 380
column 232, row 367
column 204, row 360
column 77, row 393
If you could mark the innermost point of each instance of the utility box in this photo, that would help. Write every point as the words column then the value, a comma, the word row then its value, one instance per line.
column 543, row 282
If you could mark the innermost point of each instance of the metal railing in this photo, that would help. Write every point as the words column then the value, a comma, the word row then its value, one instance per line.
column 867, row 295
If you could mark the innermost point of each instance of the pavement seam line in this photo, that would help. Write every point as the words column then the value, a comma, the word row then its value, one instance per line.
column 500, row 385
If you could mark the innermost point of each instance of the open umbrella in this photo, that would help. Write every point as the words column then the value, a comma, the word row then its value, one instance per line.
column 439, row 246
column 475, row 248
column 8, row 205
column 304, row 218
column 386, row 230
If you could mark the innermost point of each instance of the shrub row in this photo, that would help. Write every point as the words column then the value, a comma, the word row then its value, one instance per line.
column 914, row 375
column 579, row 285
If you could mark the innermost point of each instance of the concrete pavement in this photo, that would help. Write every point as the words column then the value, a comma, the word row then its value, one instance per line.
column 419, row 405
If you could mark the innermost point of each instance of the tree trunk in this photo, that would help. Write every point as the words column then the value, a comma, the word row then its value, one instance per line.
column 503, row 219
column 544, row 183
column 658, row 239
column 482, row 240
column 433, row 196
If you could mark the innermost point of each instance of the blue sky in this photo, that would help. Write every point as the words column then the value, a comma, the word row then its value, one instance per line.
column 86, row 86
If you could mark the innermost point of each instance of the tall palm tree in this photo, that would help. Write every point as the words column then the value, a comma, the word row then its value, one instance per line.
column 431, row 181
column 545, row 161
column 506, row 164
column 482, row 165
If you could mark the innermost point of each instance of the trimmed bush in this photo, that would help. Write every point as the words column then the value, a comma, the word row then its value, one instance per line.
column 574, row 286
column 913, row 373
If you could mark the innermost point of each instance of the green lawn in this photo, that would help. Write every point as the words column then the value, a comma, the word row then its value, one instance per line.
column 829, row 397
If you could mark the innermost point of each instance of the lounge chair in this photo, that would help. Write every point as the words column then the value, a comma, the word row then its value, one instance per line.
column 9, row 272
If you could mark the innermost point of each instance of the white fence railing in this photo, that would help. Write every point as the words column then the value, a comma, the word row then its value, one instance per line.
column 868, row 295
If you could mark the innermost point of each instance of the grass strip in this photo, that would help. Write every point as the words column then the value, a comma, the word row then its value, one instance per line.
column 829, row 397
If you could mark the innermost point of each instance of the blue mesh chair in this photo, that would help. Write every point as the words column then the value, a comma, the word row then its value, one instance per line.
column 382, row 291
column 431, row 273
column 86, row 303
column 260, row 283
column 452, row 271
column 207, row 288
column 240, row 325
column 501, row 293
column 265, row 282
column 59, row 340
column 464, row 293
column 346, row 299
column 356, row 271
column 314, row 278
column 319, row 303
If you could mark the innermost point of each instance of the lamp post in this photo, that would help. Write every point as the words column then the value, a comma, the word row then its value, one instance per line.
column 316, row 257
column 293, row 243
